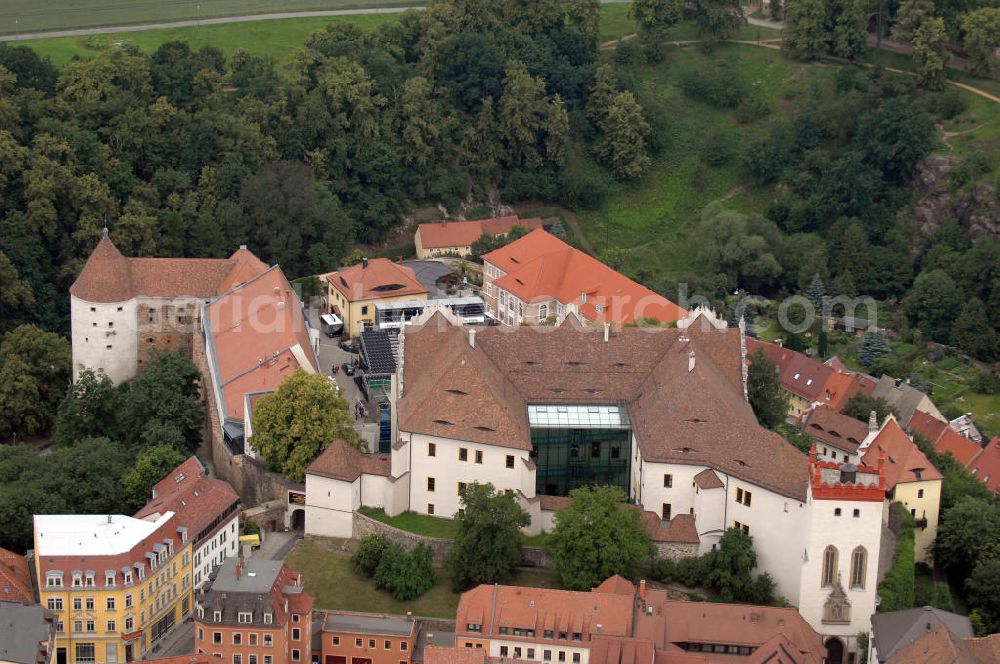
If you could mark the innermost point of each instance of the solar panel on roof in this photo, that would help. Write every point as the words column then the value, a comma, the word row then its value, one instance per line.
column 376, row 349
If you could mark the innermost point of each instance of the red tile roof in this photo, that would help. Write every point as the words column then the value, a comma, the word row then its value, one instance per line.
column 341, row 461
column 540, row 609
column 944, row 439
column 616, row 585
column 943, row 647
column 202, row 658
column 904, row 462
column 800, row 374
column 829, row 427
column 446, row 234
column 453, row 655
column 986, row 466
column 258, row 336
column 110, row 277
column 541, row 267
column 675, row 622
column 195, row 498
column 380, row 278
column 15, row 578
column 707, row 479
column 621, row 650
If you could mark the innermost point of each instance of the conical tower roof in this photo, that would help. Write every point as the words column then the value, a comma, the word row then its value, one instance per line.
column 106, row 276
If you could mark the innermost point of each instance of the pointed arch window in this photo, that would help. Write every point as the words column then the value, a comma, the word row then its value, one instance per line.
column 859, row 563
column 829, row 566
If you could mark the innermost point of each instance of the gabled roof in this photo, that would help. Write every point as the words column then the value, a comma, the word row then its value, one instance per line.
column 446, row 234
column 540, row 267
column 258, row 335
column 616, row 585
column 196, row 499
column 800, row 374
column 108, row 276
column 831, row 428
column 944, row 439
column 707, row 479
column 904, row 462
column 986, row 465
column 896, row 630
column 943, row 647
column 342, row 461
column 480, row 393
column 375, row 278
column 15, row 578
column 903, row 397
column 620, row 650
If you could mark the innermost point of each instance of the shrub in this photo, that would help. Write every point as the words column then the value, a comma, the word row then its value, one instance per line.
column 751, row 108
column 985, row 383
column 720, row 146
column 721, row 86
column 629, row 53
column 371, row 550
column 405, row 576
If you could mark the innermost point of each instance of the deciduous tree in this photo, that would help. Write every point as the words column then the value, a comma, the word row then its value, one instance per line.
column 295, row 423
column 597, row 536
column 982, row 35
column 622, row 147
column 806, row 33
column 768, row 400
column 34, row 372
column 929, row 53
column 860, row 407
column 487, row 548
column 150, row 467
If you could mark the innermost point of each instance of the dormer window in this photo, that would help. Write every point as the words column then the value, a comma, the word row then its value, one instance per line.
column 53, row 579
column 217, row 616
column 128, row 578
column 268, row 617
column 109, row 579
column 245, row 617
column 77, row 580
column 89, row 580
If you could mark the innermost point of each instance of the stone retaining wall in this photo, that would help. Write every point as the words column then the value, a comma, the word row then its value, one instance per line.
column 676, row 550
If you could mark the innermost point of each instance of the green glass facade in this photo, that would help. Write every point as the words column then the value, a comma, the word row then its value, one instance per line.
column 568, row 458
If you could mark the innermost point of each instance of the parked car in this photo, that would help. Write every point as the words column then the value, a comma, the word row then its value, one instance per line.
column 349, row 368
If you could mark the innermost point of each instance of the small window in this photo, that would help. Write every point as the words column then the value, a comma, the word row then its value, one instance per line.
column 371, row 643
column 430, row 484
column 479, row 456
column 920, row 493
column 668, row 480
column 666, row 511
column 358, row 643
column 836, row 511
column 463, row 454
column 432, row 449
column 296, row 655
column 387, row 645
column 430, row 508
column 336, row 640
column 576, row 658
column 510, row 461
column 504, row 651
column 461, row 488
column 857, row 513
column 404, row 646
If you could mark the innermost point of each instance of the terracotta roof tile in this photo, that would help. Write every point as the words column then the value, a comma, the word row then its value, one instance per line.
column 904, row 462
column 543, row 609
column 380, row 278
column 676, row 622
column 108, row 276
column 707, row 479
column 943, row 647
column 446, row 234
column 829, row 427
column 196, row 658
column 986, row 465
column 258, row 336
column 620, row 650
column 196, row 499
column 341, row 461
column 697, row 417
column 453, row 655
column 553, row 503
column 15, row 578
column 616, row 585
column 680, row 529
column 540, row 266
column 944, row 439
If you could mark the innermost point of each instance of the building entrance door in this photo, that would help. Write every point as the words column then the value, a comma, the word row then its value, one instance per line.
column 60, row 656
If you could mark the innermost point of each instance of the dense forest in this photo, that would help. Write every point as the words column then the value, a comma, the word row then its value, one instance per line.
column 191, row 153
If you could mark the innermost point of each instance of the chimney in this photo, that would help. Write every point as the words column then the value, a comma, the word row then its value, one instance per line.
column 472, row 338
column 607, row 332
column 690, row 361
column 109, row 519
column 642, row 589
column 872, row 422
column 400, row 260
column 243, row 246
column 364, row 263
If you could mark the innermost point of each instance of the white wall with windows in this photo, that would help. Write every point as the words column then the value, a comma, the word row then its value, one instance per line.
column 213, row 551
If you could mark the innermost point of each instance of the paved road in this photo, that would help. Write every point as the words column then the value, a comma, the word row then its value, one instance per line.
column 82, row 32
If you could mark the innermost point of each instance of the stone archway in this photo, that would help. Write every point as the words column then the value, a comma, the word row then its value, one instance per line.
column 297, row 520
column 834, row 650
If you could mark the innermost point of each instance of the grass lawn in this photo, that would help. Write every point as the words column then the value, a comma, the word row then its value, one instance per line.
column 18, row 16
column 327, row 575
column 277, row 38
column 421, row 524
column 652, row 218
column 615, row 24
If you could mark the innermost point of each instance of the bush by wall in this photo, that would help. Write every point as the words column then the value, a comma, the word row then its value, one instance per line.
column 896, row 589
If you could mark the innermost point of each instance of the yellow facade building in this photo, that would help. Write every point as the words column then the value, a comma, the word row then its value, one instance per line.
column 354, row 291
column 115, row 583
column 911, row 479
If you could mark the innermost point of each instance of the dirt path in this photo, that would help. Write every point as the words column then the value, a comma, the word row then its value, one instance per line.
column 945, row 135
